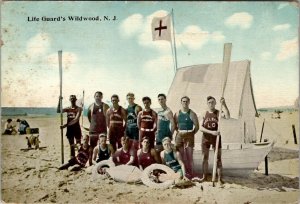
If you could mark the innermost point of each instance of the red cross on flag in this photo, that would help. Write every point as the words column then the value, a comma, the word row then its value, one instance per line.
column 161, row 28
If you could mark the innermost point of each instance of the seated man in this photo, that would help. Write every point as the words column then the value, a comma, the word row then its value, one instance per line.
column 172, row 158
column 102, row 151
column 10, row 128
column 124, row 155
column 146, row 155
column 82, row 156
column 23, row 125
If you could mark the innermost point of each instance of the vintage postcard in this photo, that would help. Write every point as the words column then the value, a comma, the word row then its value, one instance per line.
column 91, row 85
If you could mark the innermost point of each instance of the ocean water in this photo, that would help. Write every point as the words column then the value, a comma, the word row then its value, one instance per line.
column 29, row 111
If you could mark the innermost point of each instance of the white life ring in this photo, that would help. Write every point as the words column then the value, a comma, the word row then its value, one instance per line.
column 146, row 176
column 101, row 165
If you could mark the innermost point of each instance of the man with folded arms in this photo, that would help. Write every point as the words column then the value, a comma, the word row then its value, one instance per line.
column 187, row 125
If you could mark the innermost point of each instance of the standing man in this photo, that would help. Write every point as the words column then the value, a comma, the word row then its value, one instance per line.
column 72, row 125
column 209, row 127
column 187, row 125
column 165, row 122
column 97, row 118
column 116, row 119
column 147, row 120
column 132, row 130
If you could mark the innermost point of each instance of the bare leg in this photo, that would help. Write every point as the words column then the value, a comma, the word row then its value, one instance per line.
column 189, row 161
column 205, row 155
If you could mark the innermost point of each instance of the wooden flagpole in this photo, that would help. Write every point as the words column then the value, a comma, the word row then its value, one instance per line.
column 60, row 104
column 82, row 108
column 174, row 41
column 225, row 68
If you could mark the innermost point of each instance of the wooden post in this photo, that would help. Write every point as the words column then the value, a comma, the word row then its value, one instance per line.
column 294, row 133
column 225, row 68
column 266, row 166
column 262, row 130
column 61, row 107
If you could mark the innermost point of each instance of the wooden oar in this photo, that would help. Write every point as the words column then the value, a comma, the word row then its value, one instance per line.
column 60, row 103
column 225, row 68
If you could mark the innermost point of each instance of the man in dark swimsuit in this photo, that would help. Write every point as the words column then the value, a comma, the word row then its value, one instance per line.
column 72, row 125
column 97, row 118
column 103, row 151
column 132, row 130
column 187, row 125
column 209, row 127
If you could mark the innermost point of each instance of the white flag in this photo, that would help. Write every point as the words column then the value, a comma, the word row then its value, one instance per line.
column 161, row 28
column 79, row 102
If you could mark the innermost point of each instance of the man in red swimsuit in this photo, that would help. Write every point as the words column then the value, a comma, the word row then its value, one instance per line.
column 147, row 122
column 97, row 118
column 116, row 118
column 124, row 155
column 146, row 155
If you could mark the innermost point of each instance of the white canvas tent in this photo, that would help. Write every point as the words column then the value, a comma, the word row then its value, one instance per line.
column 199, row 81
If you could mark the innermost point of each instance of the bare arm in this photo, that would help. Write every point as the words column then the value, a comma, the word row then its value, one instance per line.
column 107, row 118
column 154, row 115
column 194, row 118
column 95, row 153
column 178, row 157
column 138, row 158
column 124, row 116
column 138, row 109
column 176, row 122
column 155, row 156
column 89, row 113
column 105, row 108
column 172, row 121
column 225, row 109
column 162, row 156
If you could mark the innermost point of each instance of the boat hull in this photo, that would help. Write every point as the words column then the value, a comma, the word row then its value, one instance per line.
column 237, row 159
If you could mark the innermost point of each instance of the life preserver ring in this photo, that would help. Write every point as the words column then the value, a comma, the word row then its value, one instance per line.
column 147, row 176
column 101, row 165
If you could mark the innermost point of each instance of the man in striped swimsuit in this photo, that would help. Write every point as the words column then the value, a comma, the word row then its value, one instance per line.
column 187, row 125
column 147, row 120
column 116, row 122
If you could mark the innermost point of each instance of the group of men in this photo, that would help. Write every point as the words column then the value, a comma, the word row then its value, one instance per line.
column 135, row 133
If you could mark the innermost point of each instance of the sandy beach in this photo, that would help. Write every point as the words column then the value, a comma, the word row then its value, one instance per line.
column 33, row 177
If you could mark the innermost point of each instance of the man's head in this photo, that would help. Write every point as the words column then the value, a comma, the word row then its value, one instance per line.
column 72, row 99
column 162, row 99
column 185, row 102
column 9, row 120
column 18, row 120
column 130, row 98
column 145, row 142
column 211, row 103
column 98, row 96
column 115, row 99
column 102, row 139
column 146, row 101
column 166, row 143
column 85, row 139
column 125, row 141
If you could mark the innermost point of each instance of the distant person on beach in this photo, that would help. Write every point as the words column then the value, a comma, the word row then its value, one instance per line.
column 147, row 122
column 132, row 130
column 172, row 158
column 72, row 125
column 9, row 128
column 116, row 119
column 103, row 151
column 23, row 125
column 82, row 156
column 146, row 155
column 187, row 125
column 97, row 118
column 165, row 122
column 209, row 127
column 124, row 155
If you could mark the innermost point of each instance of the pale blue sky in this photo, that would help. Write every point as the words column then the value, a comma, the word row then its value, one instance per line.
column 120, row 56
